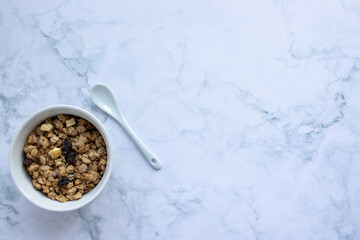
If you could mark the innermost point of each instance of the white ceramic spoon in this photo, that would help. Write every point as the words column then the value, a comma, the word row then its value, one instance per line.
column 104, row 99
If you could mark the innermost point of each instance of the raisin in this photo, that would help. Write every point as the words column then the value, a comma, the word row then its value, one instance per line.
column 70, row 157
column 67, row 145
column 27, row 162
column 69, row 154
column 63, row 182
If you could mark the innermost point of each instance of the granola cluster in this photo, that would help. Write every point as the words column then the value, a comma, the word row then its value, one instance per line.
column 66, row 157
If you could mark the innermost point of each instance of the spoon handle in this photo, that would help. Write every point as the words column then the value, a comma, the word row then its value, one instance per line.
column 154, row 162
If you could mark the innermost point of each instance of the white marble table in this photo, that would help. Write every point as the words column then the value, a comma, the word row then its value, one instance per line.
column 252, row 106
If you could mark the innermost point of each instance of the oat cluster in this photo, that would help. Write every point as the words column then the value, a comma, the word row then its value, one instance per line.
column 66, row 157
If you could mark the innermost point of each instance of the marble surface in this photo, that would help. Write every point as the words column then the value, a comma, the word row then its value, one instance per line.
column 253, row 107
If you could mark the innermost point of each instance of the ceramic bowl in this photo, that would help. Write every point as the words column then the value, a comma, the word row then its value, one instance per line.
column 23, row 180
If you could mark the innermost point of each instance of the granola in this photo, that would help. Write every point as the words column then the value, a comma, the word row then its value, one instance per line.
column 66, row 157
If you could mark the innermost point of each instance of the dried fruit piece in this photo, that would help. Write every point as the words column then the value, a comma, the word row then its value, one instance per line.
column 63, row 182
column 27, row 162
column 55, row 153
column 70, row 122
column 69, row 154
column 70, row 157
column 67, row 145
column 46, row 127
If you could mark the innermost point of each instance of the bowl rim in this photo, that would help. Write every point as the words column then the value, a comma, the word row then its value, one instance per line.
column 104, row 134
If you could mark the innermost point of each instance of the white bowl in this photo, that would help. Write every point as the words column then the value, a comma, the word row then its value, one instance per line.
column 22, row 179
